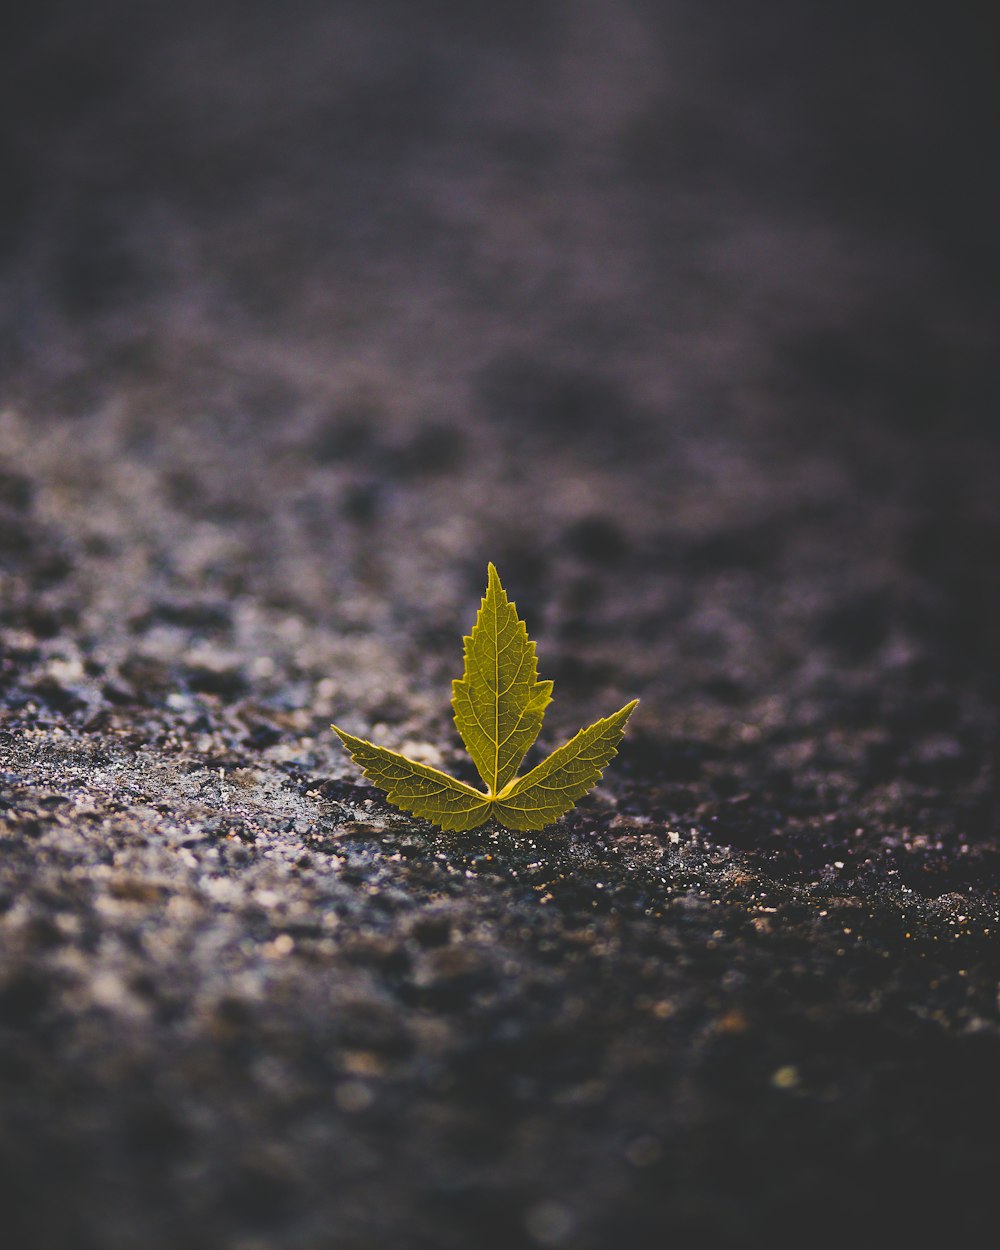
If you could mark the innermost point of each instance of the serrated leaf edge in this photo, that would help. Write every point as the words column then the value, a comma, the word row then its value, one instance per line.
column 462, row 688
column 516, row 784
column 354, row 744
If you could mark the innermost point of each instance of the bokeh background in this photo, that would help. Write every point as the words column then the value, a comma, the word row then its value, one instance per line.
column 683, row 314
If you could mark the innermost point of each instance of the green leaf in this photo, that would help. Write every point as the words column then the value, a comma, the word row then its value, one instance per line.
column 553, row 786
column 418, row 788
column 499, row 703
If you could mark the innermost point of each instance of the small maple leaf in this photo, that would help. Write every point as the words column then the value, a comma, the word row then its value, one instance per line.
column 499, row 705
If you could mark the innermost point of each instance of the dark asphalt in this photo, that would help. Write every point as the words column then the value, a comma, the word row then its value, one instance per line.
column 684, row 315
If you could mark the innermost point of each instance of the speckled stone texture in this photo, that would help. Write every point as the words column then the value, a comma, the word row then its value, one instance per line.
column 684, row 315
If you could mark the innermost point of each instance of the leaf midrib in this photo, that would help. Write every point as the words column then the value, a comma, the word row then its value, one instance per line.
column 496, row 700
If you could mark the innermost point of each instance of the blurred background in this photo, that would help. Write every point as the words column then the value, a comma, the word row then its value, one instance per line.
column 367, row 294
column 682, row 313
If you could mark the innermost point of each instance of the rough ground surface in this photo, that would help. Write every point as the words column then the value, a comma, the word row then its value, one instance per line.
column 685, row 316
